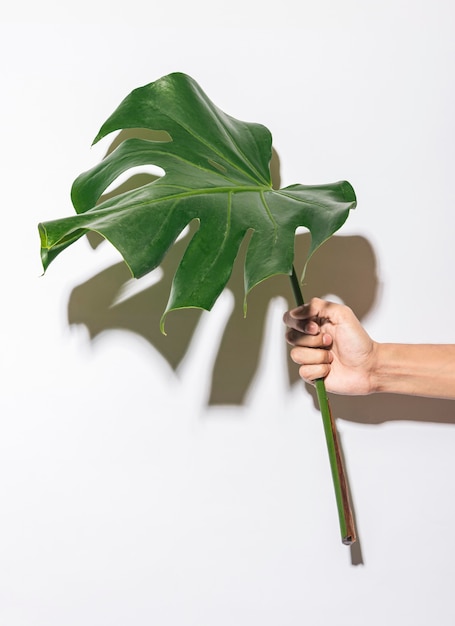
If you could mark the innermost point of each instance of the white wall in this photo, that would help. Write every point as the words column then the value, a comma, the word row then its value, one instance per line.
column 127, row 495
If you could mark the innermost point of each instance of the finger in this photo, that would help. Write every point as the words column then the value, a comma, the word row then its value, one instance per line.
column 312, row 309
column 299, row 312
column 311, row 356
column 310, row 317
column 296, row 338
column 295, row 318
column 304, row 325
column 310, row 373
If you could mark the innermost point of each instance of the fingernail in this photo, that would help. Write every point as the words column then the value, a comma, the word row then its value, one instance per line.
column 326, row 340
column 311, row 328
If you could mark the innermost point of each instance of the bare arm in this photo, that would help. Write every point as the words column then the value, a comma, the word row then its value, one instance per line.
column 416, row 369
column 329, row 342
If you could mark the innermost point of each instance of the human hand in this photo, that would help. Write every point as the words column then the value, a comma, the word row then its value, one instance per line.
column 329, row 342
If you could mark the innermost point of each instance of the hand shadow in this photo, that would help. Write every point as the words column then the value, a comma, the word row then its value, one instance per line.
column 354, row 259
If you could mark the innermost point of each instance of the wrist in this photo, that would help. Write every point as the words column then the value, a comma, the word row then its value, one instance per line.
column 377, row 368
column 381, row 372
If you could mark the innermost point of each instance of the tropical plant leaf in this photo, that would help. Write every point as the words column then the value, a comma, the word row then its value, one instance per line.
column 216, row 172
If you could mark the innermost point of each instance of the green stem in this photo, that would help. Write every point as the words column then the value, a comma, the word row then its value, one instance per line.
column 345, row 516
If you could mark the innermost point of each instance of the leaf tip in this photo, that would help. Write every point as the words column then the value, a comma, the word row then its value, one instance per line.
column 97, row 138
column 162, row 322
column 349, row 193
column 44, row 252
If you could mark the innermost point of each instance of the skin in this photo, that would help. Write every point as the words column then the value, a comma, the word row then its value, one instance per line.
column 329, row 342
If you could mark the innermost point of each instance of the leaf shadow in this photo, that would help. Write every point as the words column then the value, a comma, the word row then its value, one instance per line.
column 355, row 258
column 96, row 303
column 99, row 306
column 345, row 267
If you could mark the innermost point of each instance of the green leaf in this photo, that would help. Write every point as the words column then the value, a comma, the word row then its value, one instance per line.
column 216, row 172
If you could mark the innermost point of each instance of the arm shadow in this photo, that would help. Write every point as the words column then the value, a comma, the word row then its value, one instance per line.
column 380, row 408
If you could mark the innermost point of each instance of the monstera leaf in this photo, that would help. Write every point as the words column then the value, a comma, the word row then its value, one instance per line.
column 216, row 172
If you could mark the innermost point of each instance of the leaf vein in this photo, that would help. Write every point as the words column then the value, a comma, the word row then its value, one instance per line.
column 212, row 147
column 270, row 216
column 177, row 196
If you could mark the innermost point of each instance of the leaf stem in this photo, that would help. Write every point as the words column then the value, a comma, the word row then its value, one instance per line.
column 346, row 518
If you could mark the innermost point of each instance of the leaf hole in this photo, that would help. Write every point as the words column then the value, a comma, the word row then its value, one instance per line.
column 133, row 178
column 139, row 133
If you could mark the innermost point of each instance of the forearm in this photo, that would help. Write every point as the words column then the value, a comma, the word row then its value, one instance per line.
column 424, row 370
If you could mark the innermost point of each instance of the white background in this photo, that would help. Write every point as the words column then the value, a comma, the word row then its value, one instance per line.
column 128, row 493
